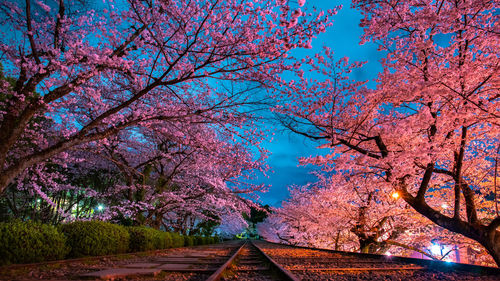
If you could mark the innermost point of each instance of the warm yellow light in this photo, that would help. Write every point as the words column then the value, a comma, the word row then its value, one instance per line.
column 395, row 195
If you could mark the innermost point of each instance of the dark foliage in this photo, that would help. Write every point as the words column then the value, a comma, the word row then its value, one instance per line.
column 27, row 242
column 94, row 238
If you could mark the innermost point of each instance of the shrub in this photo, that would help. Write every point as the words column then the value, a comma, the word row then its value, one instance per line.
column 198, row 240
column 25, row 242
column 169, row 240
column 94, row 238
column 162, row 240
column 188, row 241
column 177, row 240
column 142, row 239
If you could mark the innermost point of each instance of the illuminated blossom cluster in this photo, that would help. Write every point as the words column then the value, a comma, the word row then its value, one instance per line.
column 344, row 213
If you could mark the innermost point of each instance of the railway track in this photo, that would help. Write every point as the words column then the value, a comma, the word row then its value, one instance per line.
column 316, row 264
column 254, row 260
column 251, row 263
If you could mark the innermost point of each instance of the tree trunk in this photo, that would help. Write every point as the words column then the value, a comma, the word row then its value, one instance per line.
column 491, row 242
column 5, row 179
column 337, row 246
column 487, row 236
column 367, row 245
column 364, row 248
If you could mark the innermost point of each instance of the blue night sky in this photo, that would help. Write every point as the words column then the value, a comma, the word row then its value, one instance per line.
column 286, row 148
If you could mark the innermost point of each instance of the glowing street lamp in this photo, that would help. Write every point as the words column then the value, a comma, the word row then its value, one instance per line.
column 100, row 207
column 444, row 206
column 395, row 195
column 435, row 249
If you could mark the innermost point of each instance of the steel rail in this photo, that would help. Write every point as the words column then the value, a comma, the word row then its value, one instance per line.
column 284, row 272
column 218, row 274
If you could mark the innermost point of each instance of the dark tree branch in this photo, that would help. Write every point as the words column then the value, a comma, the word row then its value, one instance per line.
column 30, row 32
column 424, row 184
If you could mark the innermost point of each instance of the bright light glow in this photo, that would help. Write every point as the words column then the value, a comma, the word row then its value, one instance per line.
column 444, row 206
column 38, row 200
column 100, row 207
column 435, row 249
column 395, row 195
column 388, row 254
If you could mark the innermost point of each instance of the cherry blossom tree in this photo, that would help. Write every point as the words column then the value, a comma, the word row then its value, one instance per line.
column 96, row 72
column 170, row 180
column 303, row 220
column 146, row 177
column 344, row 214
column 232, row 224
column 340, row 214
column 50, row 193
column 173, row 178
column 430, row 130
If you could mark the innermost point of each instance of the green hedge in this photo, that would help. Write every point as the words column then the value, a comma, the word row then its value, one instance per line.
column 26, row 242
column 188, row 241
column 144, row 239
column 198, row 240
column 163, row 240
column 177, row 240
column 95, row 238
